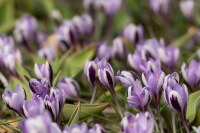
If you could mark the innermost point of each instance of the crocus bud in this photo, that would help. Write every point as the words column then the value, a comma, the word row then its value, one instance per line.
column 141, row 123
column 104, row 51
column 119, row 49
column 33, row 107
column 96, row 129
column 106, row 74
column 160, row 6
column 187, row 7
column 110, row 7
column 54, row 104
column 169, row 55
column 70, row 87
column 82, row 128
column 47, row 53
column 44, row 71
column 40, row 88
column 154, row 82
column 133, row 33
column 138, row 97
column 25, row 29
column 196, row 129
column 90, row 70
column 176, row 95
column 39, row 124
column 192, row 73
column 15, row 100
column 57, row 17
column 127, row 78
column 6, row 41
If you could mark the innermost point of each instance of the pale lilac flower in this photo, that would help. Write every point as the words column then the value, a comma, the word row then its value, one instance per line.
column 141, row 123
column 104, row 51
column 57, row 17
column 192, row 73
column 127, row 78
column 71, row 87
column 40, row 88
column 187, row 7
column 160, row 6
column 110, row 7
column 15, row 100
column 82, row 128
column 119, row 49
column 196, row 129
column 6, row 41
column 176, row 95
column 133, row 33
column 138, row 97
column 97, row 129
column 47, row 53
column 33, row 107
column 91, row 70
column 25, row 29
column 39, row 124
column 54, row 103
column 154, row 83
column 44, row 71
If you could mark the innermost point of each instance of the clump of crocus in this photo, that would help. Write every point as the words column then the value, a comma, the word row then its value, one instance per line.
column 141, row 123
column 176, row 96
column 70, row 87
column 138, row 97
column 159, row 6
column 39, row 124
column 15, row 100
column 192, row 73
column 133, row 33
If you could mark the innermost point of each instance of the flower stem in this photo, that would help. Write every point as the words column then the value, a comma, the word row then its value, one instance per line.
column 156, row 125
column 117, row 103
column 93, row 95
column 160, row 119
column 173, row 122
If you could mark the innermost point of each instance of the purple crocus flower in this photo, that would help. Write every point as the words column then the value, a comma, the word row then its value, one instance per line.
column 25, row 29
column 187, row 7
column 47, row 53
column 104, row 51
column 154, row 82
column 57, row 17
column 96, row 129
column 54, row 103
column 119, row 49
column 33, row 107
column 82, row 128
column 44, row 71
column 196, row 129
column 143, row 62
column 141, row 123
column 40, row 88
column 192, row 73
column 71, row 87
column 39, row 124
column 169, row 55
column 15, row 100
column 138, row 97
column 91, row 70
column 176, row 95
column 127, row 78
column 110, row 7
column 6, row 41
column 160, row 6
column 133, row 33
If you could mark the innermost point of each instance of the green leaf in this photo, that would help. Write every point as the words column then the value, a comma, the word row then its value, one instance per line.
column 49, row 6
column 56, row 78
column 22, row 72
column 89, row 108
column 7, row 11
column 75, row 63
column 193, row 105
column 75, row 116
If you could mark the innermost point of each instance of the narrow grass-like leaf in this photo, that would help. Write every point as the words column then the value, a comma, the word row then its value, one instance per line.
column 56, row 78
column 75, row 116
